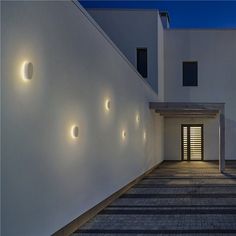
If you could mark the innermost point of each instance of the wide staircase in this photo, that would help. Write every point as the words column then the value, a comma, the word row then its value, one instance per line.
column 177, row 198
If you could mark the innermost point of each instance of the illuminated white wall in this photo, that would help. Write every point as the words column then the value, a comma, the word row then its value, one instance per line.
column 172, row 137
column 49, row 178
column 131, row 29
column 215, row 51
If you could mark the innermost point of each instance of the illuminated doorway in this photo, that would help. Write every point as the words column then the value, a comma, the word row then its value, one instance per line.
column 192, row 142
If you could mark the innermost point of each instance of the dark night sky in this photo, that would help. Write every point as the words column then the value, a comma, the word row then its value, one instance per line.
column 183, row 14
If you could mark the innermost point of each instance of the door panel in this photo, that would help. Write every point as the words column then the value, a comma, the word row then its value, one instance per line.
column 185, row 143
column 192, row 142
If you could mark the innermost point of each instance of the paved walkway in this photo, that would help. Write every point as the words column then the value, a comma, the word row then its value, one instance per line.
column 178, row 198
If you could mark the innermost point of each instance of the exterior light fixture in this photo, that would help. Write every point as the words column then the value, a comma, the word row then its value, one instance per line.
column 137, row 119
column 144, row 136
column 124, row 134
column 107, row 105
column 27, row 71
column 74, row 132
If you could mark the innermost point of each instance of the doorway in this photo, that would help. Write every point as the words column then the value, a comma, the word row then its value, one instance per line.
column 192, row 142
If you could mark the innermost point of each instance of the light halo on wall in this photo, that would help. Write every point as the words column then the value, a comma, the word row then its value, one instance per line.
column 27, row 71
column 144, row 136
column 74, row 131
column 107, row 104
column 137, row 119
column 123, row 134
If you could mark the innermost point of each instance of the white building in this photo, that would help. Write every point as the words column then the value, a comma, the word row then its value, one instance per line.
column 213, row 51
column 76, row 123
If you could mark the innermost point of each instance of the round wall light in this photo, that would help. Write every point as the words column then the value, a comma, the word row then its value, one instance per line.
column 107, row 105
column 144, row 136
column 27, row 71
column 124, row 134
column 137, row 118
column 74, row 132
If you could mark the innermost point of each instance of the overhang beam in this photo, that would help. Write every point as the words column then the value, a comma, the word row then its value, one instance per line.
column 197, row 110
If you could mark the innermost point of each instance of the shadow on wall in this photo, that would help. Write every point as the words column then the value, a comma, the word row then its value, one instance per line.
column 230, row 137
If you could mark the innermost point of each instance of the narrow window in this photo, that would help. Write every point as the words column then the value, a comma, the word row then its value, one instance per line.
column 190, row 71
column 142, row 61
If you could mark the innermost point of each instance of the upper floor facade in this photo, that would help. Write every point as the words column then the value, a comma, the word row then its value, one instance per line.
column 195, row 65
column 183, row 65
column 139, row 35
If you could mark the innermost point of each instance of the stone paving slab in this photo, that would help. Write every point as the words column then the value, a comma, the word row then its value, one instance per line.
column 163, row 222
column 186, row 190
column 178, row 198
column 188, row 181
column 175, row 201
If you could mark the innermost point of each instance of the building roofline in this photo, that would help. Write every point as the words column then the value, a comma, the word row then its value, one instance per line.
column 121, row 9
column 112, row 44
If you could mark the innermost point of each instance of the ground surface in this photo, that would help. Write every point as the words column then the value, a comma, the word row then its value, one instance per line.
column 177, row 198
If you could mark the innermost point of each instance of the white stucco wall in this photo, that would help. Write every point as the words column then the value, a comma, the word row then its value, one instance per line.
column 172, row 137
column 215, row 51
column 130, row 29
column 48, row 179
column 160, row 60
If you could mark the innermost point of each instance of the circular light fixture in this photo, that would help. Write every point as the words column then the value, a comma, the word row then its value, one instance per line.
column 144, row 136
column 74, row 132
column 137, row 118
column 107, row 105
column 27, row 71
column 124, row 134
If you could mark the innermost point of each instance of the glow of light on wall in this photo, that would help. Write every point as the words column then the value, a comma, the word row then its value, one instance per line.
column 74, row 132
column 124, row 134
column 27, row 71
column 107, row 104
column 137, row 119
column 144, row 136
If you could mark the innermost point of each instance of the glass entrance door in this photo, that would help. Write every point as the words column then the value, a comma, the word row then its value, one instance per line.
column 192, row 142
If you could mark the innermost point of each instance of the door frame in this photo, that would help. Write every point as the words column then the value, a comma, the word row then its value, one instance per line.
column 182, row 143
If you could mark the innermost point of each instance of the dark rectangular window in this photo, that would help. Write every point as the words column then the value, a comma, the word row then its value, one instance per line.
column 190, row 71
column 142, row 61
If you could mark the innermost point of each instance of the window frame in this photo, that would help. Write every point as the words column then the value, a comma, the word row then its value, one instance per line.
column 184, row 81
column 142, row 48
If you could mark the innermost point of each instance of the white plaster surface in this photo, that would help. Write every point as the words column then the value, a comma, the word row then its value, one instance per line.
column 48, row 178
column 172, row 137
column 215, row 51
column 130, row 29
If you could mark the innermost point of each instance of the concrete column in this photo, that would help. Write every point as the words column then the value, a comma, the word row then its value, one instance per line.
column 222, row 140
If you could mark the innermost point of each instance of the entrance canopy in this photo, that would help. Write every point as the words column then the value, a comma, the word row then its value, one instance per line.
column 196, row 110
column 178, row 109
